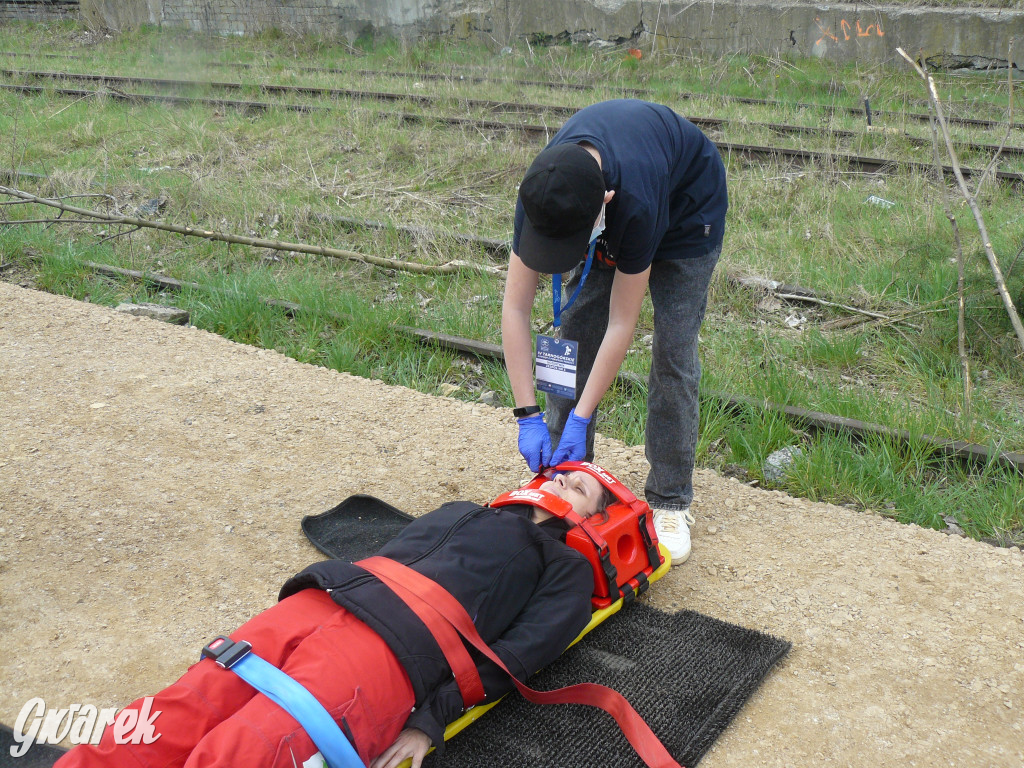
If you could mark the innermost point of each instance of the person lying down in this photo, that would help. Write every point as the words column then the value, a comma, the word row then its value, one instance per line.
column 363, row 653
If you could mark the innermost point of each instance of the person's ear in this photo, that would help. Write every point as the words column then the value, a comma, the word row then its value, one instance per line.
column 608, row 196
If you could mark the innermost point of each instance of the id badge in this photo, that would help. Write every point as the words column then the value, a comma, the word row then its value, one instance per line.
column 556, row 366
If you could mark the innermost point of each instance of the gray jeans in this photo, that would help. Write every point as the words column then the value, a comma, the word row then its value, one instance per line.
column 679, row 293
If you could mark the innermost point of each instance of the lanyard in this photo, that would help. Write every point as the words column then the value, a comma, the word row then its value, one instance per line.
column 295, row 699
column 556, row 290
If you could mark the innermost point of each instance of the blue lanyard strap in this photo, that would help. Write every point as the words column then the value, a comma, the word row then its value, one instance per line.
column 298, row 702
column 556, row 289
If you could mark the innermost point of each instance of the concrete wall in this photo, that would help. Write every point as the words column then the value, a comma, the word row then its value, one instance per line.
column 119, row 14
column 38, row 10
column 836, row 31
column 350, row 19
column 842, row 32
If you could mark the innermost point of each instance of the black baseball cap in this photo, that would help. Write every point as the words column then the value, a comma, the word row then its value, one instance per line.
column 561, row 193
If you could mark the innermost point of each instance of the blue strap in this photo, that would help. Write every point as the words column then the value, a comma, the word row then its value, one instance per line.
column 298, row 702
column 556, row 289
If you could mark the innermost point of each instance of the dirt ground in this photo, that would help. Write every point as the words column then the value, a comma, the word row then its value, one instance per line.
column 152, row 479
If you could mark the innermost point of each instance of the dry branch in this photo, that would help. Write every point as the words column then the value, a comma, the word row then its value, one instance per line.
column 933, row 95
column 796, row 293
column 12, row 222
column 897, row 317
column 961, row 330
column 257, row 242
column 824, row 303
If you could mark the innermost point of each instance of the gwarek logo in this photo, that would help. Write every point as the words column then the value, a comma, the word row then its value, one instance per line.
column 82, row 724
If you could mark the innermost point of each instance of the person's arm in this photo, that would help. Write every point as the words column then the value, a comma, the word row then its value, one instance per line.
column 517, row 342
column 557, row 612
column 516, row 339
column 623, row 312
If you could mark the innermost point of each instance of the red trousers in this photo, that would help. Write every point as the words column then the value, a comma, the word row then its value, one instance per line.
column 211, row 717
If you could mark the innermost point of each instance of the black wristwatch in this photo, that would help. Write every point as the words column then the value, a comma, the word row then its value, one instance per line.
column 527, row 410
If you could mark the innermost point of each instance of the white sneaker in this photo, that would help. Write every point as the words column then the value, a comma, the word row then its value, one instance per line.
column 673, row 528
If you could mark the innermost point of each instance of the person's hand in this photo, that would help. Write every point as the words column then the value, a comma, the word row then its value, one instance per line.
column 535, row 442
column 411, row 743
column 573, row 444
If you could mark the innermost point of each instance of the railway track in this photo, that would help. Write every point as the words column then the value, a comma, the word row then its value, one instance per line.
column 14, row 54
column 969, row 453
column 687, row 95
column 831, row 109
column 744, row 151
column 452, row 77
column 289, row 90
column 505, row 106
column 140, row 98
column 435, row 77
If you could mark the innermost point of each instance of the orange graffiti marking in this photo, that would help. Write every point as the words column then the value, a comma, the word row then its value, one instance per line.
column 827, row 32
column 867, row 32
column 848, row 30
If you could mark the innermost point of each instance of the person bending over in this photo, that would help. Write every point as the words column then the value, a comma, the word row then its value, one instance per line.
column 364, row 654
column 628, row 196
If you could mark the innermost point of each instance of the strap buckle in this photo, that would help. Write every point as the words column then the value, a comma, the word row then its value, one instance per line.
column 225, row 651
column 653, row 555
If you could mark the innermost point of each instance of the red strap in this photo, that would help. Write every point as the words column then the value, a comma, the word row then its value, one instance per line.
column 415, row 588
column 556, row 505
column 467, row 677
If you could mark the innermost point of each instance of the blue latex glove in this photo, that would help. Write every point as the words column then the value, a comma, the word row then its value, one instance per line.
column 573, row 445
column 535, row 442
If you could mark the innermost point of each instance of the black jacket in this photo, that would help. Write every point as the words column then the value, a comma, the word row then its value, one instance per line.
column 527, row 592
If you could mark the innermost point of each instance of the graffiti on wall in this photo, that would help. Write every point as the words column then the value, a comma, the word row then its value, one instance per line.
column 847, row 30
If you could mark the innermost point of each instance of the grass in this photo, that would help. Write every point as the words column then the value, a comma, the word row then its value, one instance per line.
column 282, row 175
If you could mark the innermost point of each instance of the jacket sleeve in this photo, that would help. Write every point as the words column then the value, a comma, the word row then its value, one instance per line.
column 556, row 613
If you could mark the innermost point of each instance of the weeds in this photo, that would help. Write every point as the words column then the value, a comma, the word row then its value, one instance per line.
column 283, row 175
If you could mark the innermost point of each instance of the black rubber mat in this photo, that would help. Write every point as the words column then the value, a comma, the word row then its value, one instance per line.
column 37, row 756
column 356, row 528
column 685, row 673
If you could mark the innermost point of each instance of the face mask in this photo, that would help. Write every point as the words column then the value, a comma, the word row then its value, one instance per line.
column 599, row 227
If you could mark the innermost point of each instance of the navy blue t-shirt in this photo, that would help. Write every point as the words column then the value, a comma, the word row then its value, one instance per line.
column 669, row 181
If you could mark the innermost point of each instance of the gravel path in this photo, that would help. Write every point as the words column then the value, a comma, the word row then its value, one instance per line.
column 152, row 479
